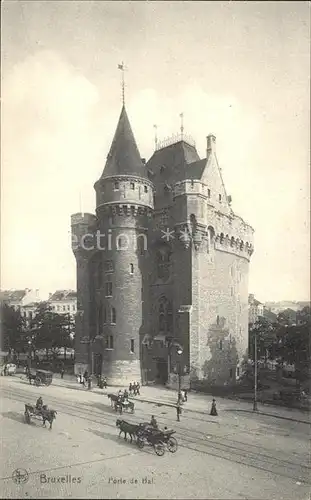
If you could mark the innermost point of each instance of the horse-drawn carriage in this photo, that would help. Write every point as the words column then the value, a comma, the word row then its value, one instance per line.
column 40, row 377
column 159, row 439
column 148, row 434
column 44, row 414
column 120, row 404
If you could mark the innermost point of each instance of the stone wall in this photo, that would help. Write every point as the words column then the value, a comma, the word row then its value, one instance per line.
column 219, row 315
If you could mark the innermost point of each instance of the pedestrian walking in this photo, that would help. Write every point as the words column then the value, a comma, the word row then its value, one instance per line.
column 153, row 422
column 213, row 411
column 185, row 395
column 105, row 382
column 138, row 388
column 178, row 411
column 134, row 388
column 130, row 388
column 62, row 373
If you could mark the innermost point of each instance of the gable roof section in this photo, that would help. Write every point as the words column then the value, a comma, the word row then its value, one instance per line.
column 123, row 157
column 177, row 157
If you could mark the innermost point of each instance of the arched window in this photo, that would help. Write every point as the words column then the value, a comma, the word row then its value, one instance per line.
column 162, row 322
column 165, row 316
column 113, row 316
column 163, row 257
column 222, row 238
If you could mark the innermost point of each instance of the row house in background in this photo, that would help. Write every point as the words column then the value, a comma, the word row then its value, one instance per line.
column 63, row 302
column 23, row 300
column 255, row 309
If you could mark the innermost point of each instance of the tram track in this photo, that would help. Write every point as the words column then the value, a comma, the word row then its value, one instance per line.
column 196, row 440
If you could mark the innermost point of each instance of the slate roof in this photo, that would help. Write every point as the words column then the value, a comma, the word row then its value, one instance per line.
column 123, row 157
column 180, row 158
column 12, row 295
column 63, row 295
column 269, row 316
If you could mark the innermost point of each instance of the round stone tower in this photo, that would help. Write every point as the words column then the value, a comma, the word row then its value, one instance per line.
column 124, row 204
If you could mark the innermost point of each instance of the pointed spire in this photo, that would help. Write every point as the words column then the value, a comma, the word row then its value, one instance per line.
column 123, row 157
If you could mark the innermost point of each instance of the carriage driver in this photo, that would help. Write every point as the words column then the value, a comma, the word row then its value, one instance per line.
column 39, row 403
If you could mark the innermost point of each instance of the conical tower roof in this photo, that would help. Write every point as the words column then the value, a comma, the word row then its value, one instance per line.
column 123, row 157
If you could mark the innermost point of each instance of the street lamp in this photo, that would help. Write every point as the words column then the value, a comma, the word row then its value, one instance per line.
column 29, row 355
column 80, row 315
column 89, row 382
column 255, row 370
column 179, row 352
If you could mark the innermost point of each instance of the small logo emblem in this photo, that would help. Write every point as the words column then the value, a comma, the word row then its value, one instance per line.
column 20, row 476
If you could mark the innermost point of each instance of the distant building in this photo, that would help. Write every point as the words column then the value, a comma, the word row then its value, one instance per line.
column 288, row 316
column 28, row 311
column 277, row 307
column 255, row 309
column 269, row 315
column 63, row 302
column 19, row 299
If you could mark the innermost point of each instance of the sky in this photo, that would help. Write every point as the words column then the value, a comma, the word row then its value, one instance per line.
column 239, row 70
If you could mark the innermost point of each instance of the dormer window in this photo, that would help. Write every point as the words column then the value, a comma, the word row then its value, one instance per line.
column 116, row 186
column 219, row 197
column 132, row 185
column 146, row 189
column 209, row 193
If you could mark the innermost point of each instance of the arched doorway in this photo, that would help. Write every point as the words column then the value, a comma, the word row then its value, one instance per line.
column 98, row 363
column 161, row 371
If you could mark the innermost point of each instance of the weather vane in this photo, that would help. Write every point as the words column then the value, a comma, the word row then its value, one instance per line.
column 155, row 135
column 182, row 124
column 123, row 68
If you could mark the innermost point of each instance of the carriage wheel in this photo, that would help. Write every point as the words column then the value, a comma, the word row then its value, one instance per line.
column 159, row 448
column 27, row 417
column 140, row 443
column 172, row 445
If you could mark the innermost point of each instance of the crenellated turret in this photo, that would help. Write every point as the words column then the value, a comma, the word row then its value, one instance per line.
column 124, row 204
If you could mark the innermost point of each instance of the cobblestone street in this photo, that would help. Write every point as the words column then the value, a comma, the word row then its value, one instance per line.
column 235, row 455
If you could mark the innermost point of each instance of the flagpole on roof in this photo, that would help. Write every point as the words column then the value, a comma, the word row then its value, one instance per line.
column 80, row 203
column 182, row 125
column 123, row 69
column 155, row 136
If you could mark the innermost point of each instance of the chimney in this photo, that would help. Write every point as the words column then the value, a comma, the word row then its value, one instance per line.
column 210, row 144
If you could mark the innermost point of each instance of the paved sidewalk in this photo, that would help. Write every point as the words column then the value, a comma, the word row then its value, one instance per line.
column 197, row 402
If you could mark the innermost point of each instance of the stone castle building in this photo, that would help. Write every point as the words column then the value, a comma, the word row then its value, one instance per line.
column 162, row 268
